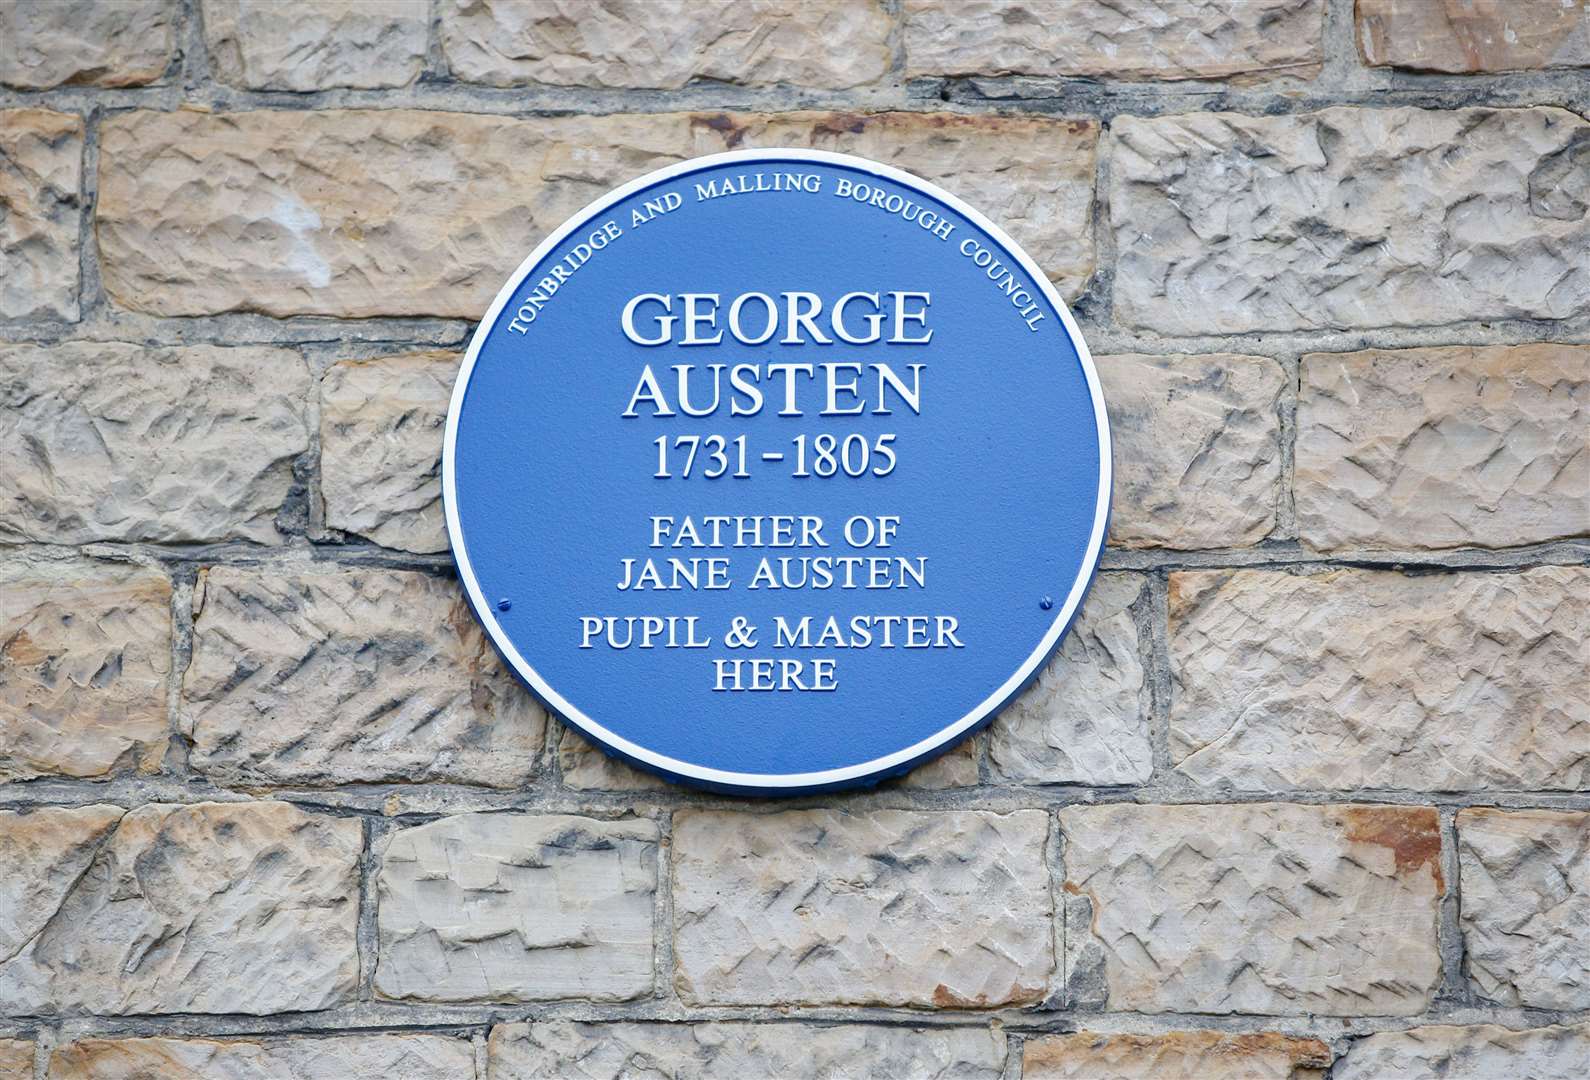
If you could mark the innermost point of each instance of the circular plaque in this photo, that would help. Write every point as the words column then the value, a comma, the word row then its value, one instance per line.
column 777, row 471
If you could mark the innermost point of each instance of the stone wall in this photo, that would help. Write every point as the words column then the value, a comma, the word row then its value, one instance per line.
column 1306, row 789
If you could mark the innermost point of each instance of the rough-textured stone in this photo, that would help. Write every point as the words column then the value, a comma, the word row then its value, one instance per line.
column 85, row 650
column 831, row 44
column 588, row 768
column 430, row 212
column 16, row 1058
column 1481, row 1052
column 1525, row 883
column 316, row 44
column 1464, row 36
column 85, row 42
column 41, row 168
column 1085, row 720
column 513, row 907
column 1256, row 908
column 1371, row 678
column 1175, row 1055
column 1444, row 447
column 113, row 441
column 1124, row 39
column 567, row 1050
column 326, row 676
column 1197, row 449
column 1349, row 218
column 889, row 907
column 42, row 856
column 381, row 426
column 207, row 908
column 349, row 1057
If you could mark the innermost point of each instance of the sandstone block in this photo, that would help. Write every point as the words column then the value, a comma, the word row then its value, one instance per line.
column 1175, row 1055
column 204, row 908
column 1444, row 447
column 887, row 907
column 1085, row 720
column 114, row 441
column 381, row 428
column 432, row 211
column 1526, row 905
column 350, row 1057
column 1483, row 1050
column 1257, row 908
column 1135, row 39
column 86, row 42
column 565, row 1050
column 1370, row 678
column 513, row 907
column 666, row 44
column 1197, row 449
column 16, row 1058
column 1349, row 218
column 587, row 768
column 41, row 169
column 85, row 651
column 298, row 45
column 325, row 676
column 1476, row 35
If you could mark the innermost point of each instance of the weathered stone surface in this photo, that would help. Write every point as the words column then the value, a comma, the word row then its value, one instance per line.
column 1085, row 721
column 667, row 43
column 41, row 168
column 351, row 1057
column 567, row 1050
column 1469, row 1053
column 1349, row 218
column 1526, row 905
column 85, row 650
column 431, row 211
column 1464, row 36
column 114, row 441
column 316, row 44
column 85, row 42
column 327, row 676
column 585, row 767
column 1444, row 447
column 1197, row 448
column 207, row 908
column 16, row 1058
column 381, row 427
column 1175, row 1055
column 514, row 907
column 1125, row 39
column 1370, row 678
column 889, row 907
column 1256, row 908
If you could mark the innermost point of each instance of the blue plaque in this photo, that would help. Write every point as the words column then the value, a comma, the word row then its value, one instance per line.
column 777, row 471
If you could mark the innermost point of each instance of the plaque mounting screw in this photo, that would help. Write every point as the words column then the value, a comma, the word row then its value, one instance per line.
column 504, row 604
column 1046, row 603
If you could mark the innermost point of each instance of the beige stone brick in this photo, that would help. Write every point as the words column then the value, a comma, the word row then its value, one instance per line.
column 430, row 211
column 381, row 428
column 885, row 907
column 1348, row 218
column 16, row 1058
column 204, row 908
column 564, row 1049
column 1124, row 39
column 1479, row 1051
column 86, row 42
column 363, row 674
column 1444, row 447
column 306, row 45
column 1372, row 678
column 406, row 1056
column 41, row 168
column 85, row 652
column 665, row 44
column 115, row 441
column 518, row 907
column 1197, row 449
column 1525, row 877
column 1465, row 36
column 1270, row 908
column 1174, row 1055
